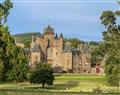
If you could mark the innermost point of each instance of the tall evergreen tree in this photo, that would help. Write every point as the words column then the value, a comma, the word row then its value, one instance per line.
column 6, row 45
column 19, row 62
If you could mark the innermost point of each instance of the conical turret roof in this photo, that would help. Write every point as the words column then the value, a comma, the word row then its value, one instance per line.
column 49, row 30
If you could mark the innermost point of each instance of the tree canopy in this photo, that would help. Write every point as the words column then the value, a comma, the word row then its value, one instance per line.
column 111, row 37
column 74, row 42
column 42, row 74
column 4, row 10
column 13, row 62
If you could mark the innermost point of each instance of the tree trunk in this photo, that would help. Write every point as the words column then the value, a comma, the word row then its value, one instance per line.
column 43, row 85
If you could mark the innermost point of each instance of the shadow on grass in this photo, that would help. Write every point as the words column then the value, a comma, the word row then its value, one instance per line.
column 63, row 86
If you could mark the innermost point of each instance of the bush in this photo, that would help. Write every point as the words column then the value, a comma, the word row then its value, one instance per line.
column 43, row 74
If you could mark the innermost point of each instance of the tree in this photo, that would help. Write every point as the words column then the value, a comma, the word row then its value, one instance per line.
column 74, row 42
column 4, row 10
column 13, row 63
column 111, row 37
column 19, row 69
column 6, row 46
column 93, row 43
column 97, row 54
column 1, row 71
column 42, row 74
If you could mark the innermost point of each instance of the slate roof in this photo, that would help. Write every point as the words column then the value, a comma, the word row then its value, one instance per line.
column 61, row 35
column 56, row 37
column 36, row 48
column 49, row 30
column 76, row 51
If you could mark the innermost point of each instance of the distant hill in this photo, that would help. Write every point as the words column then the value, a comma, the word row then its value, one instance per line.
column 25, row 37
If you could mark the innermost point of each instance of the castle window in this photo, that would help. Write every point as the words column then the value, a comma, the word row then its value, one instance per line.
column 68, row 62
column 48, row 43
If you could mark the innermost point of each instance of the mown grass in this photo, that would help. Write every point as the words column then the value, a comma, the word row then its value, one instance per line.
column 81, row 77
column 41, row 92
column 53, row 93
column 46, row 93
column 69, row 84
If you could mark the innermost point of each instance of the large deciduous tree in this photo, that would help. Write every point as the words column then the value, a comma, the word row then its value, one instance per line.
column 111, row 37
column 13, row 62
column 42, row 74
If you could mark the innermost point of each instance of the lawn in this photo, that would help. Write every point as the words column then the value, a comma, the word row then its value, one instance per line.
column 69, row 84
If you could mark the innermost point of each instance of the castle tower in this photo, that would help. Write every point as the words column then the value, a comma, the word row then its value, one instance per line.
column 35, row 56
column 67, row 57
column 86, row 58
column 49, row 33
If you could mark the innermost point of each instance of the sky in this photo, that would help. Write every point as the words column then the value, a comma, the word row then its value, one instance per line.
column 74, row 18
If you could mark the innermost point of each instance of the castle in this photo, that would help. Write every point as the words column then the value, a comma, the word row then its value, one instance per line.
column 48, row 48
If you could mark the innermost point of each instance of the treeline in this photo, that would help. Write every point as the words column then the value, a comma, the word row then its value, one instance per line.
column 25, row 38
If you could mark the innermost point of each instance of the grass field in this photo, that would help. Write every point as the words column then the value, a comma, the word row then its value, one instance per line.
column 69, row 84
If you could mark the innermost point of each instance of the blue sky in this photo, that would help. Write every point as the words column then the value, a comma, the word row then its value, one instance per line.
column 74, row 18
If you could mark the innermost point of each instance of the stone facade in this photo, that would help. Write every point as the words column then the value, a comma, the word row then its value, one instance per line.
column 48, row 48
